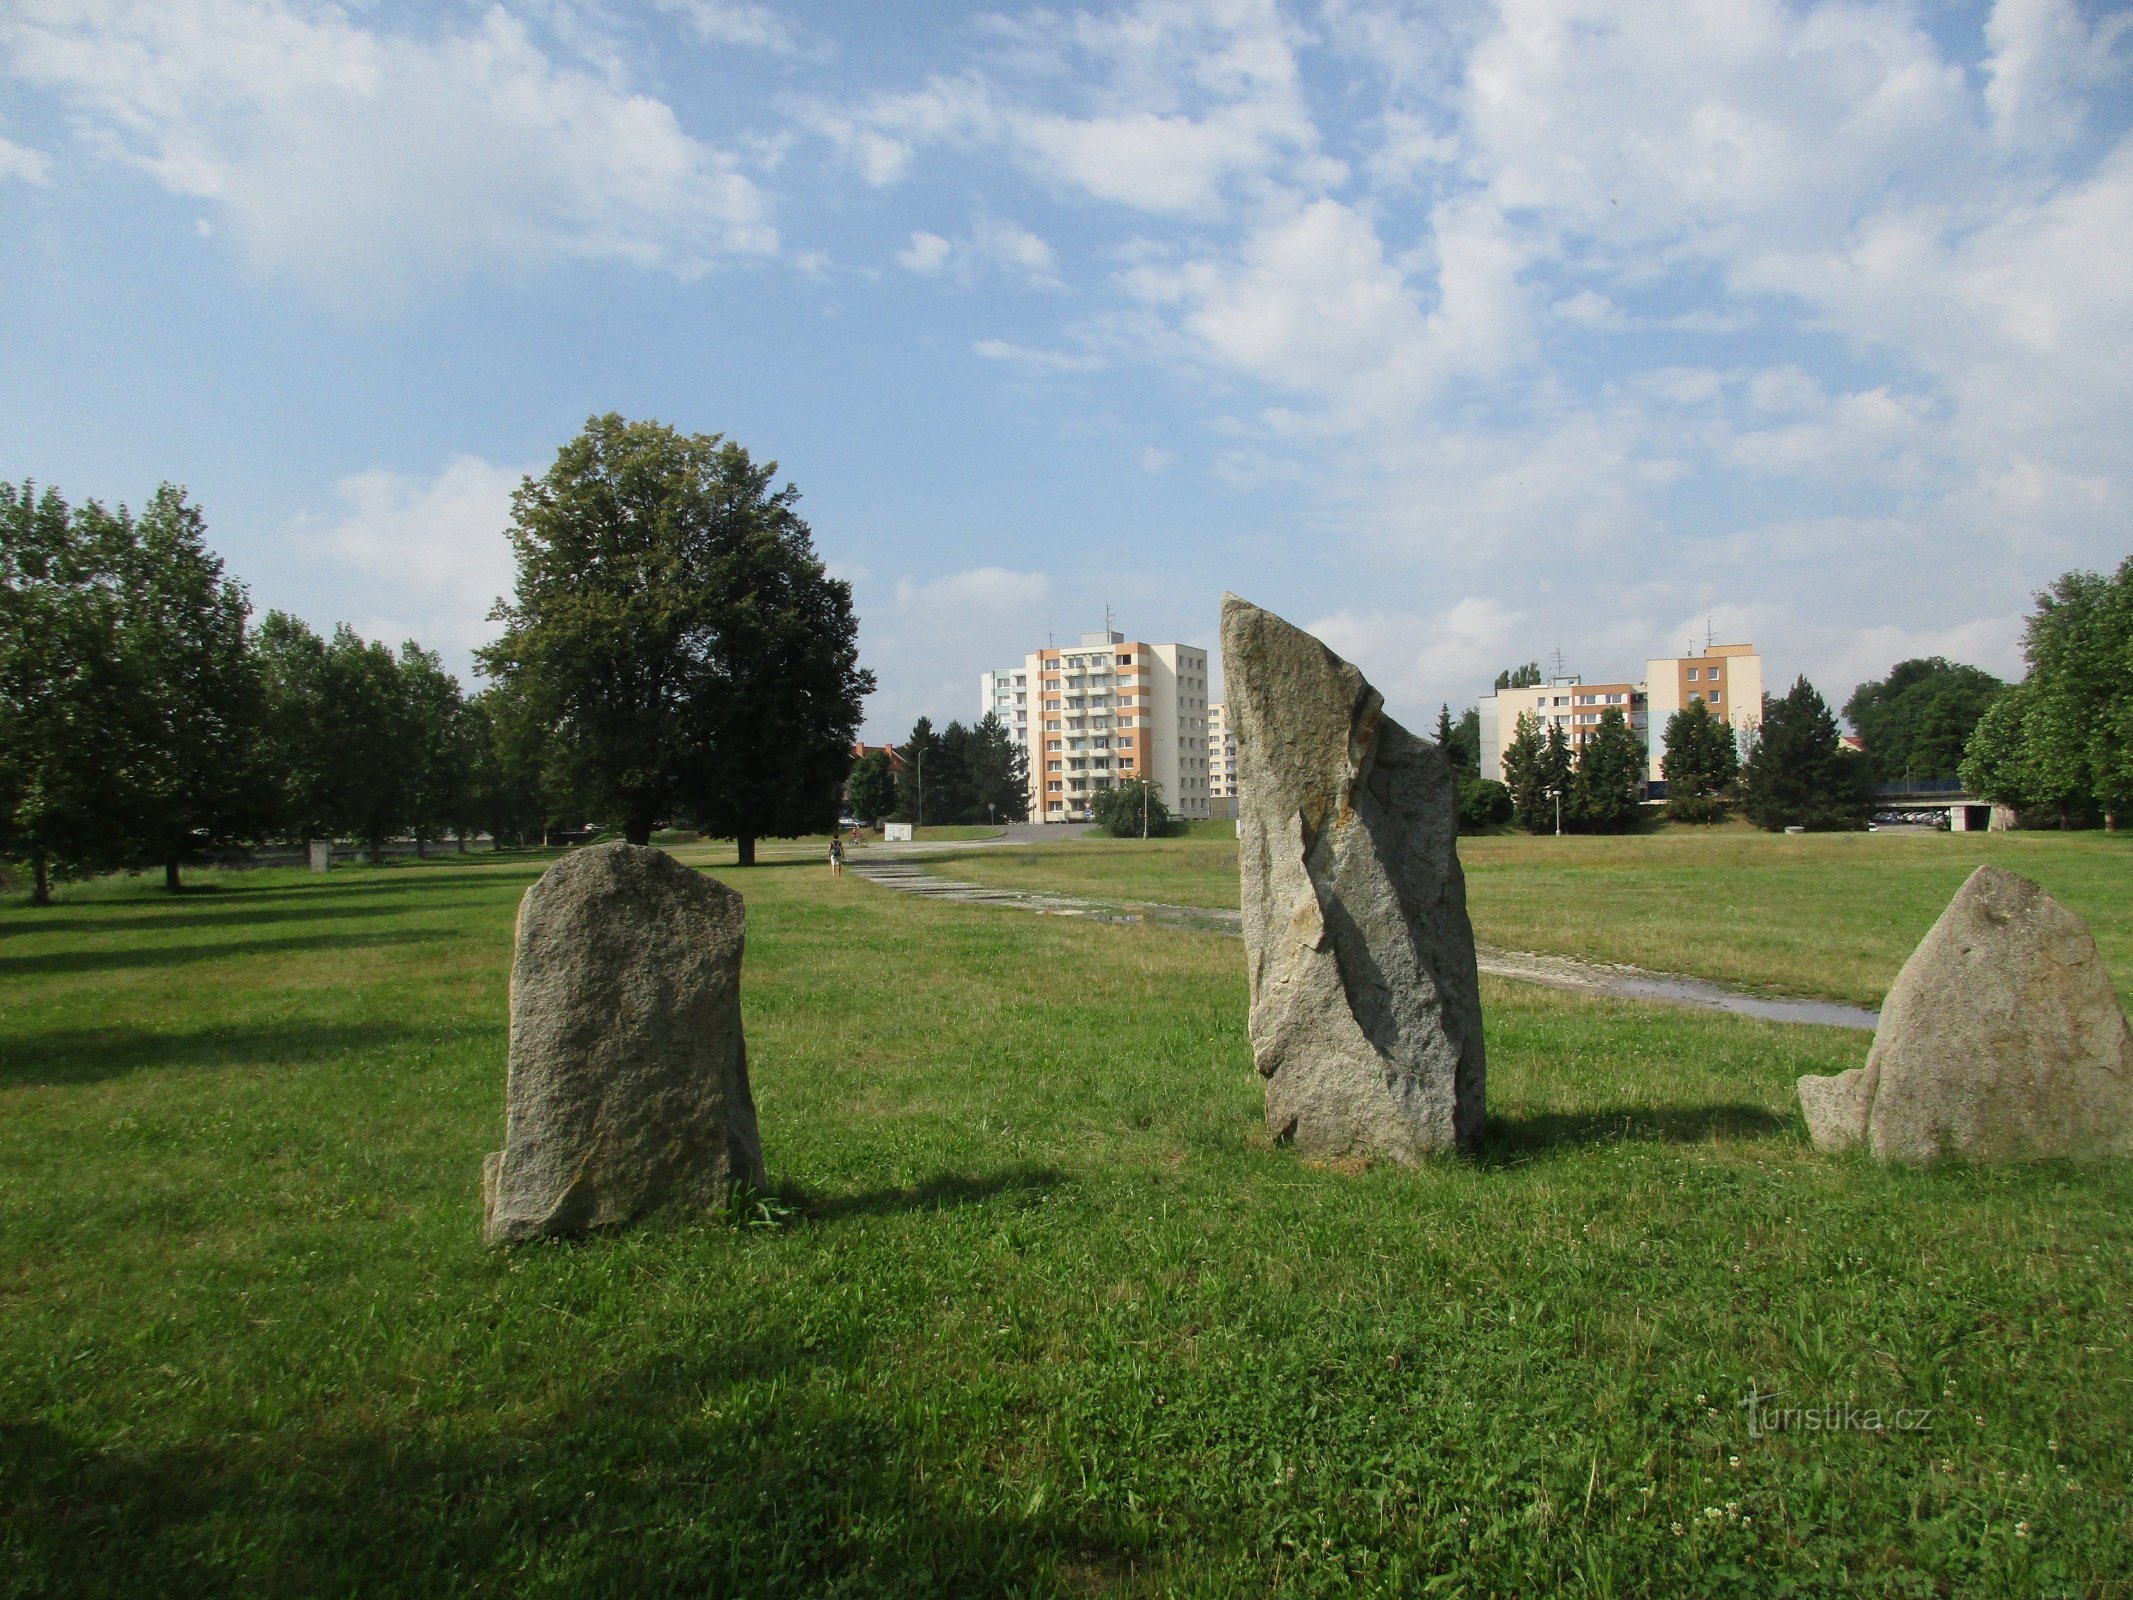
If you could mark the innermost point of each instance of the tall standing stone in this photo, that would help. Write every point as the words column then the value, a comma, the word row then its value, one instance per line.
column 1366, row 1006
column 2001, row 1040
column 628, row 1085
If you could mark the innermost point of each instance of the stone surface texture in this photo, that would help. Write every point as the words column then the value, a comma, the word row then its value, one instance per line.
column 1365, row 1002
column 628, row 1079
column 2002, row 1040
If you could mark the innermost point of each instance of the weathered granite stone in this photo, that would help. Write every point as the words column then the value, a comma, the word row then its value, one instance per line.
column 2002, row 1040
column 628, row 1084
column 1366, row 1007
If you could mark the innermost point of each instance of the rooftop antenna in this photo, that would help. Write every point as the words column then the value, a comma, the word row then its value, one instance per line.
column 1559, row 663
column 1707, row 630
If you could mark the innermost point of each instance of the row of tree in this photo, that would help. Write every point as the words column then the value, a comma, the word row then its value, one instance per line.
column 674, row 651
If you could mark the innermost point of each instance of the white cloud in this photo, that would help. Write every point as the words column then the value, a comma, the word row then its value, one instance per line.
column 926, row 254
column 429, row 552
column 1154, row 458
column 19, row 161
column 736, row 22
column 991, row 248
column 360, row 162
column 927, row 639
column 1038, row 361
column 1420, row 660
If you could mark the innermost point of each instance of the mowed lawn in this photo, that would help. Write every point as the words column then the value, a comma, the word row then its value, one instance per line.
column 1831, row 915
column 1036, row 1308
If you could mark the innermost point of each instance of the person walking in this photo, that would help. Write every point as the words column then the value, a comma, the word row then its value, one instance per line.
column 836, row 854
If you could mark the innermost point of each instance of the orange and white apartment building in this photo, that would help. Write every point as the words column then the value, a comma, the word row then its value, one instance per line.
column 1726, row 677
column 1107, row 710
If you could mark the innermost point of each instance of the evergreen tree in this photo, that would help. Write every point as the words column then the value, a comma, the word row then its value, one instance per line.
column 1468, row 735
column 1524, row 775
column 1558, row 807
column 1700, row 764
column 1609, row 777
column 1525, row 677
column 918, row 786
column 1799, row 773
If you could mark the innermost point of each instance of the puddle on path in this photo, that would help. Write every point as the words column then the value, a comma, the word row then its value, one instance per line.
column 1556, row 972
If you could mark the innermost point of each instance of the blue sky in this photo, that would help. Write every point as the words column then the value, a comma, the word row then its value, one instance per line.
column 1457, row 333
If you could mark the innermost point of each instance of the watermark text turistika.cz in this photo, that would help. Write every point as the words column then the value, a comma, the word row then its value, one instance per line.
column 1765, row 1415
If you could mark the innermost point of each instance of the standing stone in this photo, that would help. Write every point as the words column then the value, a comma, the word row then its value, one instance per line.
column 628, row 1084
column 1366, row 1006
column 2002, row 1040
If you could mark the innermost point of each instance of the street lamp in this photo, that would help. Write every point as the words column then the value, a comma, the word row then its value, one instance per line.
column 1558, row 793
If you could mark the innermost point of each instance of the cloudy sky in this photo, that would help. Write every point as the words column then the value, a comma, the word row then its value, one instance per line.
column 1460, row 333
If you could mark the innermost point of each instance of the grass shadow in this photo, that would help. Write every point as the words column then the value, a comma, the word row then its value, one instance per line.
column 95, row 1055
column 177, row 955
column 664, row 1478
column 945, row 1191
column 1513, row 1138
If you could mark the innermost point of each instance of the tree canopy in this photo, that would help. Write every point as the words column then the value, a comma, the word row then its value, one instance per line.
column 1915, row 722
column 1132, row 809
column 1799, row 774
column 2060, row 743
column 970, row 774
column 870, row 792
column 1525, row 677
column 678, row 638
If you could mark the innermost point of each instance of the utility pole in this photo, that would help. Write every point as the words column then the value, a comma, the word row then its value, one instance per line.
column 1144, row 808
column 921, row 786
column 1558, row 811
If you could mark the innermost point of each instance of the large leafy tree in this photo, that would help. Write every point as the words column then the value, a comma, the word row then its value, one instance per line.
column 1132, row 809
column 1916, row 721
column 1700, row 763
column 871, row 790
column 2062, row 740
column 674, row 630
column 1799, row 773
column 507, row 792
column 1609, row 777
column 440, row 756
column 341, row 746
column 195, row 701
column 65, row 691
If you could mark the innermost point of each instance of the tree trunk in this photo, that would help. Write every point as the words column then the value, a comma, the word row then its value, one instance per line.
column 377, row 851
column 41, row 886
column 462, row 843
column 171, row 885
column 422, row 848
column 744, row 847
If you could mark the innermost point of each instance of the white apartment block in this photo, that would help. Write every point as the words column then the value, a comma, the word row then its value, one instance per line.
column 1726, row 677
column 1111, row 709
column 1005, row 694
column 1221, row 760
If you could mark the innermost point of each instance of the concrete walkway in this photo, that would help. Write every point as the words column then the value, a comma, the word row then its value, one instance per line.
column 1556, row 972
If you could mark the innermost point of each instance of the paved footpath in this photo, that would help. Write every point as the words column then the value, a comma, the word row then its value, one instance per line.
column 881, row 865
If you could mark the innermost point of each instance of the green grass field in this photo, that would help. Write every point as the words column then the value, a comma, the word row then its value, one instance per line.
column 1037, row 1309
column 1832, row 915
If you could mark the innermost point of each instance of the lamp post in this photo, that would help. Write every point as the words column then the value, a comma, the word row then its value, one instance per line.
column 921, row 786
column 1558, row 793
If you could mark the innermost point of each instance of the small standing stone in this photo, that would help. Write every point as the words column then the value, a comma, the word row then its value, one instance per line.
column 628, row 1079
column 2002, row 1040
column 1366, row 1004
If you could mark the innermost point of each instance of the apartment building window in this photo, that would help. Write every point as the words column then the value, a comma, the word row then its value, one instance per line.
column 1692, row 674
column 1715, row 697
column 1053, row 766
column 1054, row 786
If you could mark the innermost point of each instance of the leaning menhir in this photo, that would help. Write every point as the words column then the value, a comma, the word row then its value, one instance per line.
column 628, row 1084
column 2001, row 1040
column 1366, row 1007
